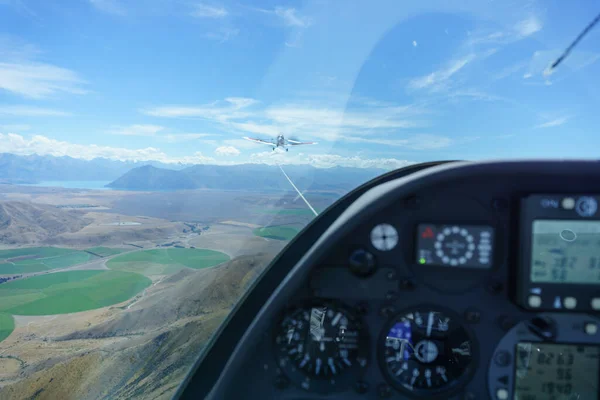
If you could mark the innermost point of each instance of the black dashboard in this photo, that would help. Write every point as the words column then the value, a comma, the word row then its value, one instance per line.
column 465, row 280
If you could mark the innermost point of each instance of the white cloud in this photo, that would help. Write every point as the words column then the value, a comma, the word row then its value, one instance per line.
column 554, row 122
column 259, row 129
column 288, row 15
column 207, row 11
column 487, row 38
column 507, row 136
column 291, row 17
column 294, row 39
column 475, row 95
column 229, row 151
column 219, row 111
column 156, row 131
column 14, row 127
column 416, row 142
column 42, row 145
column 528, row 26
column 240, row 102
column 516, row 32
column 385, row 117
column 222, row 35
column 238, row 143
column 109, row 6
column 414, row 43
column 16, row 49
column 22, row 76
column 31, row 111
column 301, row 120
column 136, row 130
column 438, row 79
column 38, row 80
column 327, row 160
column 510, row 70
column 541, row 60
column 184, row 137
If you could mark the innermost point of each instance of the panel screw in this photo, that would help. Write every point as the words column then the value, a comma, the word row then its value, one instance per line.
column 506, row 323
column 361, row 387
column 502, row 358
column 407, row 284
column 495, row 286
column 384, row 390
column 387, row 311
column 412, row 202
column 499, row 204
column 389, row 296
column 362, row 309
column 281, row 382
column 472, row 316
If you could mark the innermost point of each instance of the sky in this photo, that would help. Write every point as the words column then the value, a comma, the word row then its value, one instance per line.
column 375, row 83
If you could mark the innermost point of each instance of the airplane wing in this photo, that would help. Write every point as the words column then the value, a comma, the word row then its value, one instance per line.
column 259, row 141
column 297, row 143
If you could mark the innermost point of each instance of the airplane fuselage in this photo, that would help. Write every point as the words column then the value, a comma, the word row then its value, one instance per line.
column 280, row 142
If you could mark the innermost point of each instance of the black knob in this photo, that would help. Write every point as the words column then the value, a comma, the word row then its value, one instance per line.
column 362, row 262
column 542, row 327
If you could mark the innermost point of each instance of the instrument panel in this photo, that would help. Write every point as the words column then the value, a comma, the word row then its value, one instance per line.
column 476, row 287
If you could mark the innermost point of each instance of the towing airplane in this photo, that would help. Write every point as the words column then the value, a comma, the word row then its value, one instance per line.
column 280, row 141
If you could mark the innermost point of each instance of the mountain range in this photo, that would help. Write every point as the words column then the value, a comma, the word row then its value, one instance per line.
column 258, row 177
column 130, row 175
column 35, row 168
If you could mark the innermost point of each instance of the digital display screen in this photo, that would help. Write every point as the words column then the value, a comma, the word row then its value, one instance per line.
column 468, row 246
column 556, row 371
column 565, row 251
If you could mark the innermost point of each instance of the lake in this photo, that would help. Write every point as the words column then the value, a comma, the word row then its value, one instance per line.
column 94, row 185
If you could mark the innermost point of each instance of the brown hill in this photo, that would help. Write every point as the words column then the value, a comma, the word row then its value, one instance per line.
column 26, row 223
column 159, row 338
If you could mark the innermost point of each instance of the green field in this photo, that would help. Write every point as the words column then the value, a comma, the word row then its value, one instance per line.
column 105, row 251
column 166, row 261
column 40, row 259
column 276, row 232
column 67, row 292
column 287, row 211
column 7, row 325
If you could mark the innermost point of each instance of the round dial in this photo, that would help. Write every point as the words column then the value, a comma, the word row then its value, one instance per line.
column 321, row 347
column 454, row 245
column 426, row 352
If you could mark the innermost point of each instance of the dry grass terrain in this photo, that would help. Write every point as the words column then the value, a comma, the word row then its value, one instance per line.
column 25, row 223
column 141, row 348
column 116, row 352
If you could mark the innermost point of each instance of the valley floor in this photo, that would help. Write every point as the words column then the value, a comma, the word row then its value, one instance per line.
column 141, row 346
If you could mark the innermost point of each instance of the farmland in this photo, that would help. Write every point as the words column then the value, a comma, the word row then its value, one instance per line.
column 68, row 292
column 104, row 251
column 276, row 232
column 7, row 324
column 166, row 261
column 286, row 211
column 37, row 259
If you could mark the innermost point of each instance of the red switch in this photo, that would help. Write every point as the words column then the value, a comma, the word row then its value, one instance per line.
column 427, row 233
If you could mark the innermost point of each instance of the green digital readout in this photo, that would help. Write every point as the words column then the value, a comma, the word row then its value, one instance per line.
column 545, row 371
column 565, row 251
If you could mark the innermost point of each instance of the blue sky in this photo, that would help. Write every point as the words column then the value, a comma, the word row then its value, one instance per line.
column 376, row 83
